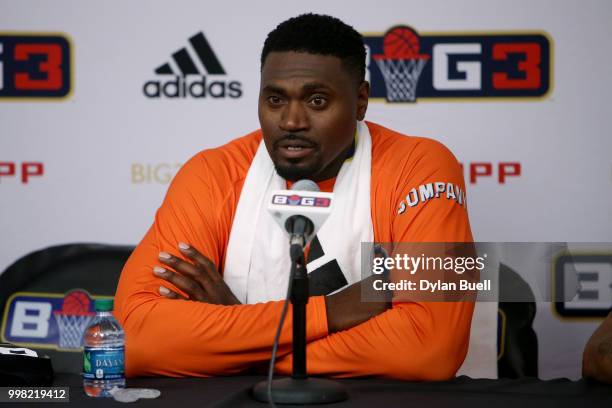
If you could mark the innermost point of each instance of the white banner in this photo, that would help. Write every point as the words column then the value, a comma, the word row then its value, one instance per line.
column 149, row 84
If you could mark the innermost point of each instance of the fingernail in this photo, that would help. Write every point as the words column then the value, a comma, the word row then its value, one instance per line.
column 163, row 291
column 159, row 270
column 183, row 246
column 164, row 255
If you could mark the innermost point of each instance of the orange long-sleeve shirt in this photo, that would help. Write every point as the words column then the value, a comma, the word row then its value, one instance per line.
column 417, row 340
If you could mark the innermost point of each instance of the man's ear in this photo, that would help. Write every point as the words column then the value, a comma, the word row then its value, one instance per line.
column 363, row 95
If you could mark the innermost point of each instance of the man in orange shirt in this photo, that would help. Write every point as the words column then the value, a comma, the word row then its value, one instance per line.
column 193, row 302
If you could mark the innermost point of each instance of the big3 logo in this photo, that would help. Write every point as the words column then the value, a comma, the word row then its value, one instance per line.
column 403, row 66
column 48, row 320
column 35, row 66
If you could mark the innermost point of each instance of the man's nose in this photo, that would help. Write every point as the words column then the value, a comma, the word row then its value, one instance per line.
column 294, row 117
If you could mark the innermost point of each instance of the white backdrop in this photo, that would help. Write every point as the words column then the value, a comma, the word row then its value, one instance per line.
column 94, row 142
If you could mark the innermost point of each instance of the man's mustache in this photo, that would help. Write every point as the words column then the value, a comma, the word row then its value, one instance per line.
column 292, row 137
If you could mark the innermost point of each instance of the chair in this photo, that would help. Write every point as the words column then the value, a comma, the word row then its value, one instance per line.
column 503, row 343
column 46, row 276
column 517, row 343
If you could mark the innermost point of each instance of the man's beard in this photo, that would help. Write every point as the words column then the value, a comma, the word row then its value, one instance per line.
column 295, row 173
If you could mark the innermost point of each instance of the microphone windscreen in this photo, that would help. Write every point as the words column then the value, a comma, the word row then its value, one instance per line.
column 305, row 185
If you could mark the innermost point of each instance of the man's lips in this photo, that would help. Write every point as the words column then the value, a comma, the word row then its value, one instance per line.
column 294, row 151
column 292, row 148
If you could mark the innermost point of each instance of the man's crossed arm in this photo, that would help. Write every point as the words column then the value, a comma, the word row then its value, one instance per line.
column 200, row 281
column 201, row 329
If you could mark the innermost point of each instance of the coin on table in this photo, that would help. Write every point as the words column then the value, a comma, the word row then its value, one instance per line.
column 133, row 394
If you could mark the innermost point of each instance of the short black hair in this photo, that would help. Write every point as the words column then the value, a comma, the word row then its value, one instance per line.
column 320, row 35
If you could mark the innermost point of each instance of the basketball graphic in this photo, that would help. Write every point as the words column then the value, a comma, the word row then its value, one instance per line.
column 73, row 319
column 401, row 63
column 76, row 303
column 401, row 42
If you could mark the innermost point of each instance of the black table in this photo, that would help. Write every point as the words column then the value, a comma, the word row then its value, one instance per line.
column 379, row 393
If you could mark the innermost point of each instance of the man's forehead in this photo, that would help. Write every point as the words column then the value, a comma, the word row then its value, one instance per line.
column 312, row 68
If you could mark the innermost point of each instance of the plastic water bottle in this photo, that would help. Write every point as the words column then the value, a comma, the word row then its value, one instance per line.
column 103, row 352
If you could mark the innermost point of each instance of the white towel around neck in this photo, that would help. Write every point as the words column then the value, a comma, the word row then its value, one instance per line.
column 257, row 259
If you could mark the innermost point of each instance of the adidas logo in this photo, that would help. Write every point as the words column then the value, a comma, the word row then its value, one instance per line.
column 189, row 72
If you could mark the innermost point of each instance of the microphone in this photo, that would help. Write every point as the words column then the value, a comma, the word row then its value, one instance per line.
column 298, row 225
column 301, row 211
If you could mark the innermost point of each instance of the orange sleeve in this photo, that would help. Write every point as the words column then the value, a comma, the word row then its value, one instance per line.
column 187, row 338
column 415, row 340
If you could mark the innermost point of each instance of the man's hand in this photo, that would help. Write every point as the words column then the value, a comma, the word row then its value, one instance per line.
column 346, row 309
column 199, row 280
column 597, row 356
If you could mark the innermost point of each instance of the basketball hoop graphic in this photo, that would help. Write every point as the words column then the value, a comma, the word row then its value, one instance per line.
column 73, row 319
column 401, row 64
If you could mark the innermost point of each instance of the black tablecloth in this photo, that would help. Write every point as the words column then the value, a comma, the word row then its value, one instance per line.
column 459, row 392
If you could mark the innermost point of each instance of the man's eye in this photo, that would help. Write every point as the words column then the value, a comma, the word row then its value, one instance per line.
column 318, row 101
column 274, row 100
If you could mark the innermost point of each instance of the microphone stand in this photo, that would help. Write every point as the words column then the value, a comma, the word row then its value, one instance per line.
column 299, row 388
